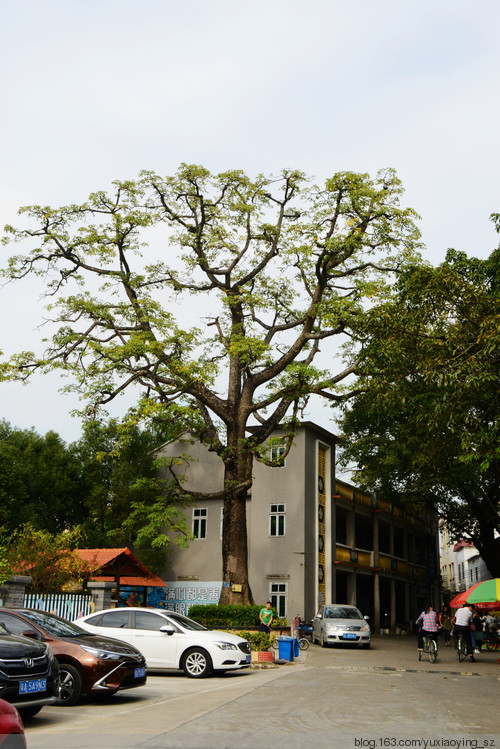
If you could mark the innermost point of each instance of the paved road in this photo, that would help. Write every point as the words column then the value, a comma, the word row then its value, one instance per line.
column 327, row 698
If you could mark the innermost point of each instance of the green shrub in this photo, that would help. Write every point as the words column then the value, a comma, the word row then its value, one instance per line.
column 229, row 615
column 257, row 640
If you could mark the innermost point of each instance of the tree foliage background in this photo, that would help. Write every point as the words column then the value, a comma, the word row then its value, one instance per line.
column 426, row 427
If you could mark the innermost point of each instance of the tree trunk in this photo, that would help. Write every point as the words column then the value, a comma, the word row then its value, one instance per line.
column 235, row 582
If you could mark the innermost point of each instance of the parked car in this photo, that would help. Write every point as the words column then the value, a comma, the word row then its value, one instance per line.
column 29, row 673
column 89, row 664
column 11, row 727
column 336, row 624
column 172, row 641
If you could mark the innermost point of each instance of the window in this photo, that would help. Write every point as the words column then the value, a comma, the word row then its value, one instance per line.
column 118, row 619
column 276, row 452
column 200, row 522
column 363, row 532
column 278, row 598
column 16, row 626
column 147, row 620
column 399, row 543
column 341, row 525
column 277, row 520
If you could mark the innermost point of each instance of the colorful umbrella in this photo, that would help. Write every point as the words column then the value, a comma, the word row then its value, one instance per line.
column 461, row 598
column 486, row 592
column 485, row 595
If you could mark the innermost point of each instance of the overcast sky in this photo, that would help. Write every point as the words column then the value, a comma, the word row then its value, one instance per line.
column 95, row 90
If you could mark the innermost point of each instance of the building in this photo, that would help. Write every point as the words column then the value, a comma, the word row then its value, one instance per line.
column 461, row 563
column 386, row 558
column 310, row 539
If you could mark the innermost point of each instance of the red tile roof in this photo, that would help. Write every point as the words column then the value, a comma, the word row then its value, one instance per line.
column 111, row 561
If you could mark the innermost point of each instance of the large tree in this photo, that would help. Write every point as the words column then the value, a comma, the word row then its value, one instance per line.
column 224, row 330
column 425, row 429
column 40, row 481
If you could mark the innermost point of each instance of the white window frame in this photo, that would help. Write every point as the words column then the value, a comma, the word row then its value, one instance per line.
column 275, row 515
column 200, row 515
column 278, row 595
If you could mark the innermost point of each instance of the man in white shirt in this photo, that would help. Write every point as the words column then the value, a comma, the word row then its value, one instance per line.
column 463, row 620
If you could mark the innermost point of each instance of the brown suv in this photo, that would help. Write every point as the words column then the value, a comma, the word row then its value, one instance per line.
column 89, row 664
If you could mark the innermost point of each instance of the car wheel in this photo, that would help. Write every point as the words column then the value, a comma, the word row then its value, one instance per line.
column 322, row 639
column 14, row 741
column 196, row 663
column 70, row 685
column 29, row 712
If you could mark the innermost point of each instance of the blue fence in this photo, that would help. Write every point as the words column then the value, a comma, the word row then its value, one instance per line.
column 68, row 605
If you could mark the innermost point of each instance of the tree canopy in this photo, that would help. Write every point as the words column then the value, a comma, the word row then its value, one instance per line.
column 426, row 428
column 225, row 329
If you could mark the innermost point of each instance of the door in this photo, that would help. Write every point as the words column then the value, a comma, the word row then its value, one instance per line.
column 159, row 648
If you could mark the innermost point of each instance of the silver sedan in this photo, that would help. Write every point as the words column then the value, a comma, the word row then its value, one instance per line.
column 340, row 624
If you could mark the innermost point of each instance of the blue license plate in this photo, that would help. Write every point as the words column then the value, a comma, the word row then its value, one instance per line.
column 30, row 686
column 249, row 658
column 139, row 673
column 349, row 636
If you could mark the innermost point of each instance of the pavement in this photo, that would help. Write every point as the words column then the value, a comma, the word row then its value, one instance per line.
column 328, row 697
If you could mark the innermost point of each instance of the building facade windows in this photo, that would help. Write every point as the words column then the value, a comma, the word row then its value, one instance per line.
column 200, row 522
column 278, row 596
column 277, row 520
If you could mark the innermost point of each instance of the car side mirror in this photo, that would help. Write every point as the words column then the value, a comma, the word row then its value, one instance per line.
column 31, row 633
column 167, row 629
column 319, row 616
column 367, row 618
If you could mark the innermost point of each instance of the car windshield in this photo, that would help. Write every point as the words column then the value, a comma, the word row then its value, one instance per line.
column 342, row 612
column 185, row 622
column 54, row 625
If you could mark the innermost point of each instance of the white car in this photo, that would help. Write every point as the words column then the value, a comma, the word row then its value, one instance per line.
column 169, row 640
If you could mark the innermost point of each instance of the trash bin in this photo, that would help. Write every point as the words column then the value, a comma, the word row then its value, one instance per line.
column 285, row 648
column 295, row 648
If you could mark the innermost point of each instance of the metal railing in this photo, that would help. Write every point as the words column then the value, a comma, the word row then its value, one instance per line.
column 68, row 605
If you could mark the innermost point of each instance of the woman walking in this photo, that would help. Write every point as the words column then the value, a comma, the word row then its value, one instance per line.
column 445, row 617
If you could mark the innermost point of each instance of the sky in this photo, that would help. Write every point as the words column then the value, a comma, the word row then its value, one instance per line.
column 96, row 90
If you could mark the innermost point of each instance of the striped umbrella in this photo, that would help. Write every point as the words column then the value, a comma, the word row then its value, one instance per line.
column 461, row 598
column 486, row 594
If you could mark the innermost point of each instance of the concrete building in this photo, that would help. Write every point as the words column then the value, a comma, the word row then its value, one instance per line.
column 461, row 563
column 310, row 539
column 386, row 558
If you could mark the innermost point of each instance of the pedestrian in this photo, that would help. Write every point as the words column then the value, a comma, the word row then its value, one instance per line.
column 266, row 618
column 445, row 622
column 462, row 625
column 477, row 633
column 428, row 620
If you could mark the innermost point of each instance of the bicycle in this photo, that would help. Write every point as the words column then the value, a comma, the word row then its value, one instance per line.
column 430, row 648
column 492, row 642
column 461, row 648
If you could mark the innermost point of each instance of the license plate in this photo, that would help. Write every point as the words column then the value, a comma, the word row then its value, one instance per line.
column 249, row 658
column 32, row 685
column 139, row 673
column 349, row 636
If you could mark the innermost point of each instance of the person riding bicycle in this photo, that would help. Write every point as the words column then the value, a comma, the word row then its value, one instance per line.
column 462, row 621
column 428, row 620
